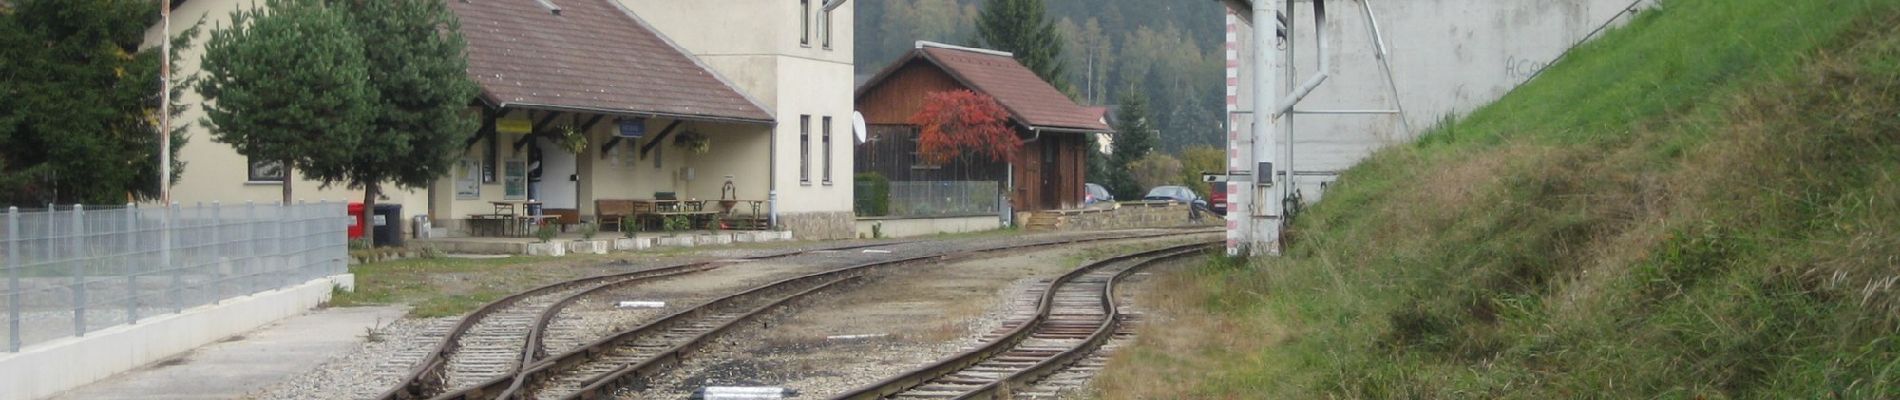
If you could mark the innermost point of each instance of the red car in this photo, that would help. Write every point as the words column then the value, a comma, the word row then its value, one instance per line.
column 1217, row 198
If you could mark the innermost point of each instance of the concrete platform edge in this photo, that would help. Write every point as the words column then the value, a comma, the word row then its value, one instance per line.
column 49, row 368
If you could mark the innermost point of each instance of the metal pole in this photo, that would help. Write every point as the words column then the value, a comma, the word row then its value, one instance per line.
column 165, row 105
column 130, row 266
column 283, row 244
column 250, row 243
column 13, row 279
column 78, row 255
column 217, row 253
column 178, row 278
column 1262, row 226
column 1385, row 65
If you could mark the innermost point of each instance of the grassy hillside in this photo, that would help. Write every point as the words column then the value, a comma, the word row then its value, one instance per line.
column 1704, row 204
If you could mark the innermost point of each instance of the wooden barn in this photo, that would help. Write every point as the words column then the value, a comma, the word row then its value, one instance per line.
column 1052, row 167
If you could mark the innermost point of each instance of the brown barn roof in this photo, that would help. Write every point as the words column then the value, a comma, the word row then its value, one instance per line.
column 1029, row 99
column 591, row 56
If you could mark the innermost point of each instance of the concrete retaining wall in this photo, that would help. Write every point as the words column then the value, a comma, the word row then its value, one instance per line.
column 910, row 227
column 48, row 368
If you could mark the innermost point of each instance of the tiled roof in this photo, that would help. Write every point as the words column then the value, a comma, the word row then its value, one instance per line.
column 593, row 56
column 1029, row 99
column 1026, row 95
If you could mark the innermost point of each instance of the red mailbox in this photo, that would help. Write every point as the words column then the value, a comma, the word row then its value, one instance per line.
column 356, row 221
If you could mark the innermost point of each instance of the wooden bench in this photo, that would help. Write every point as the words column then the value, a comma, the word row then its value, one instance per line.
column 564, row 216
column 614, row 212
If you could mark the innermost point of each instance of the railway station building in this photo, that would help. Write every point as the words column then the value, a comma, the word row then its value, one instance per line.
column 586, row 103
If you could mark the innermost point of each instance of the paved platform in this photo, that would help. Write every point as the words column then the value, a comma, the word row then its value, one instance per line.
column 244, row 363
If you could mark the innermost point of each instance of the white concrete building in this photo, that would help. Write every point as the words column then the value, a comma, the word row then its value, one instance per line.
column 766, row 85
column 1448, row 57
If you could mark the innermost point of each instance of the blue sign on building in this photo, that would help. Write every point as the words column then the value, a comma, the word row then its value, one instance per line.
column 633, row 127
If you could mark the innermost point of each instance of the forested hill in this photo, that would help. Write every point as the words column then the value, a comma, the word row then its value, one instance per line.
column 1171, row 51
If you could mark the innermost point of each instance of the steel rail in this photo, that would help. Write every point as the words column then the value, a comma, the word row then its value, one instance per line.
column 429, row 376
column 1001, row 389
column 961, row 361
column 534, row 377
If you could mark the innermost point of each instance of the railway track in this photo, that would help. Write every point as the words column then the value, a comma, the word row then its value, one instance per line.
column 489, row 343
column 1076, row 315
column 626, row 359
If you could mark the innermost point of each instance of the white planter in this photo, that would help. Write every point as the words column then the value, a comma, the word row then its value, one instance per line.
column 781, row 235
column 712, row 239
column 588, row 247
column 677, row 241
column 547, row 249
column 635, row 244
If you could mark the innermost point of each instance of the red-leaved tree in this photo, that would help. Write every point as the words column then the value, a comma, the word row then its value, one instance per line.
column 959, row 121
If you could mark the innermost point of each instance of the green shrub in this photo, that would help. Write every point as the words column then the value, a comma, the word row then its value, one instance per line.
column 545, row 232
column 873, row 195
column 676, row 224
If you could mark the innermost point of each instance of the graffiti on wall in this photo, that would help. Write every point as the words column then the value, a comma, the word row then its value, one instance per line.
column 1520, row 69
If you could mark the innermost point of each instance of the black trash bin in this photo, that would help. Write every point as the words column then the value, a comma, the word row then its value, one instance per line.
column 387, row 221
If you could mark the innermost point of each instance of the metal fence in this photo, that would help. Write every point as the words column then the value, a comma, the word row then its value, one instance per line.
column 943, row 198
column 72, row 270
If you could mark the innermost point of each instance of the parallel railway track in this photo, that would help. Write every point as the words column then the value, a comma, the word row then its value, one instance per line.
column 1076, row 315
column 489, row 342
column 500, row 351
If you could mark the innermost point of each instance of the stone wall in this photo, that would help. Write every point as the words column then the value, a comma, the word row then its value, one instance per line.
column 820, row 225
column 1133, row 216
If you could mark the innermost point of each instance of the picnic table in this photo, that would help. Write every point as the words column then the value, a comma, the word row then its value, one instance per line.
column 510, row 219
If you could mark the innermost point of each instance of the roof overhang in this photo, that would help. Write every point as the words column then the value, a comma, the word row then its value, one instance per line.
column 1059, row 129
column 504, row 106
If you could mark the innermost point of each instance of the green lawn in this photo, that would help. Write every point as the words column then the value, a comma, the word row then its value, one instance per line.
column 1703, row 204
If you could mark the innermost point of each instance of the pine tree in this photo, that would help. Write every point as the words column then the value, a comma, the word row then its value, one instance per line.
column 290, row 84
column 78, row 92
column 418, row 75
column 1022, row 27
column 1135, row 138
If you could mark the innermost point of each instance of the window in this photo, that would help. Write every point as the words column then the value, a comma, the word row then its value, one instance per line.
column 826, row 26
column 804, row 23
column 266, row 171
column 916, row 158
column 515, row 180
column 826, row 125
column 804, row 149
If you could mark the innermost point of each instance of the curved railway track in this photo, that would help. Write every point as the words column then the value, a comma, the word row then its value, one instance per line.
column 489, row 342
column 1076, row 315
column 484, row 356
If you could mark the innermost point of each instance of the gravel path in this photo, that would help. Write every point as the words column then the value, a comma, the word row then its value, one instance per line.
column 376, row 365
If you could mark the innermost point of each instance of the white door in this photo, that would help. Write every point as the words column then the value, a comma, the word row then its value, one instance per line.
column 558, row 187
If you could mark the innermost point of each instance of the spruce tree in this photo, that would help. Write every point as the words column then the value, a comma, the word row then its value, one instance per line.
column 78, row 102
column 1135, row 137
column 418, row 74
column 1022, row 27
column 290, row 84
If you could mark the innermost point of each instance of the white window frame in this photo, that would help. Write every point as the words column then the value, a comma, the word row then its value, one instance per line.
column 825, row 129
column 804, row 149
column 804, row 23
